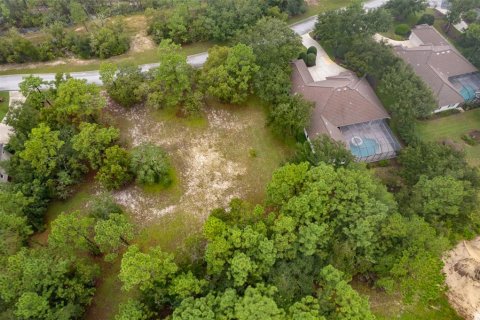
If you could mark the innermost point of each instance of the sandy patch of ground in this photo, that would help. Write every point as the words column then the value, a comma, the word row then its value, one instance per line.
column 141, row 42
column 209, row 177
column 462, row 270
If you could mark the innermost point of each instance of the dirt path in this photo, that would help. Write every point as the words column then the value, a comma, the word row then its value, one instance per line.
column 461, row 263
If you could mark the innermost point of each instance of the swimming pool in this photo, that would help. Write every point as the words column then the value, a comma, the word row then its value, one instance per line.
column 367, row 148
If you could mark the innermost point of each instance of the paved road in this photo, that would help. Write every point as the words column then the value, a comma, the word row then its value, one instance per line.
column 10, row 82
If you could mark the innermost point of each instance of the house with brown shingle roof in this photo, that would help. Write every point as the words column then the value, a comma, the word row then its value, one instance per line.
column 452, row 78
column 348, row 110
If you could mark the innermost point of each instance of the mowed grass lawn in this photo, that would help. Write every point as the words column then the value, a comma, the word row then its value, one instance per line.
column 4, row 99
column 453, row 127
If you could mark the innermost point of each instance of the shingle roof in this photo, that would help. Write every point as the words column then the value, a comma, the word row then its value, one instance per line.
column 339, row 101
column 435, row 62
column 429, row 36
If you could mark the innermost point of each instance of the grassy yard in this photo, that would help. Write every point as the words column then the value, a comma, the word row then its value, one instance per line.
column 410, row 21
column 389, row 307
column 319, row 7
column 453, row 127
column 4, row 99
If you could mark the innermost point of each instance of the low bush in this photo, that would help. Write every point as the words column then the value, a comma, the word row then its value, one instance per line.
column 470, row 16
column 15, row 48
column 402, row 30
column 303, row 56
column 151, row 165
column 312, row 49
column 311, row 60
column 470, row 105
column 79, row 45
column 109, row 41
column 426, row 19
column 469, row 140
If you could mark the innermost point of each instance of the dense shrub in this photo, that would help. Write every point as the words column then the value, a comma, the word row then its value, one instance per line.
column 150, row 165
column 102, row 206
column 79, row 44
column 289, row 116
column 15, row 48
column 311, row 60
column 109, row 41
column 323, row 149
column 312, row 49
column 115, row 170
column 470, row 42
column 402, row 30
column 176, row 24
column 470, row 16
column 303, row 56
column 427, row 18
column 123, row 84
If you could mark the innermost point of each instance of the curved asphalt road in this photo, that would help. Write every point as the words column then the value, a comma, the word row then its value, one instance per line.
column 10, row 82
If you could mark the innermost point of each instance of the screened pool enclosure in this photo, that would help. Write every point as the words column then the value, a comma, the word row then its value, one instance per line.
column 468, row 84
column 371, row 141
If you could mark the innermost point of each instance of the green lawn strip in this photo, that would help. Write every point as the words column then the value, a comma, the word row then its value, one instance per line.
column 322, row 6
column 411, row 21
column 390, row 306
column 108, row 294
column 77, row 201
column 4, row 101
column 453, row 127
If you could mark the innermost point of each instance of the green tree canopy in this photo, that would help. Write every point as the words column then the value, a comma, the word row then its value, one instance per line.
column 338, row 29
column 290, row 115
column 42, row 150
column 113, row 233
column 146, row 270
column 229, row 72
column 92, row 141
column 323, row 149
column 123, row 84
column 170, row 83
column 402, row 9
column 115, row 169
column 73, row 231
column 76, row 102
column 274, row 45
column 37, row 284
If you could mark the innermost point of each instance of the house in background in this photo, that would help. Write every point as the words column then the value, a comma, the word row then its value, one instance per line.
column 452, row 78
column 347, row 110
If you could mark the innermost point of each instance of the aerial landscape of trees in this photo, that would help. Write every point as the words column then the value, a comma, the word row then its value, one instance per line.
column 325, row 224
column 105, row 36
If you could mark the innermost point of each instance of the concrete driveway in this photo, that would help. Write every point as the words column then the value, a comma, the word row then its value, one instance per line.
column 325, row 66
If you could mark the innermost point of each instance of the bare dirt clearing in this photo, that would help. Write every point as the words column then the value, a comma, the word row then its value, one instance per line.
column 210, row 155
column 462, row 270
column 141, row 42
